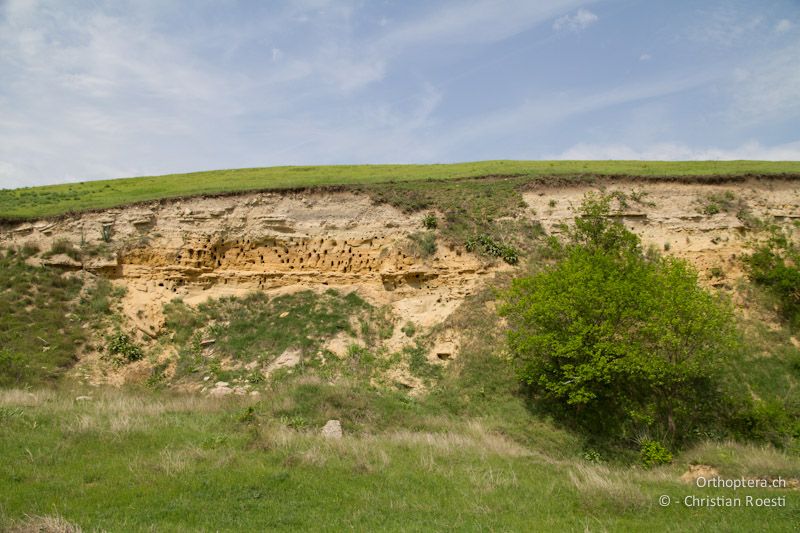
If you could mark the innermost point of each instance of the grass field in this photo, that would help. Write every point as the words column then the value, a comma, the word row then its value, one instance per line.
column 53, row 200
column 127, row 461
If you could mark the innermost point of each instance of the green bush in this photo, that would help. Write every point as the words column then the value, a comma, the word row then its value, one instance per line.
column 723, row 201
column 28, row 249
column 487, row 245
column 429, row 221
column 419, row 365
column 592, row 456
column 14, row 368
column 423, row 244
column 123, row 350
column 653, row 453
column 776, row 266
column 64, row 246
column 619, row 342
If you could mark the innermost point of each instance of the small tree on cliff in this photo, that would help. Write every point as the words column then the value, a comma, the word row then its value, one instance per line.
column 623, row 343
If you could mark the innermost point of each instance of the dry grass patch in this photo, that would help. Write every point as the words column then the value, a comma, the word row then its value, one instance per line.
column 733, row 459
column 490, row 479
column 24, row 398
column 475, row 439
column 600, row 486
column 43, row 524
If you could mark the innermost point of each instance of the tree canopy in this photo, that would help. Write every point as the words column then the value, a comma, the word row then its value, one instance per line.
column 623, row 342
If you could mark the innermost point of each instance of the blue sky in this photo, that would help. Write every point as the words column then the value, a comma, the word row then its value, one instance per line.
column 98, row 89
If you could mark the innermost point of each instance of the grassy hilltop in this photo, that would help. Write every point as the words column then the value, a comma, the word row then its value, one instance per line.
column 53, row 200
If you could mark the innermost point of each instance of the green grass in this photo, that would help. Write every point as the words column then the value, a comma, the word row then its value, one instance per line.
column 52, row 200
column 41, row 317
column 181, row 463
column 257, row 328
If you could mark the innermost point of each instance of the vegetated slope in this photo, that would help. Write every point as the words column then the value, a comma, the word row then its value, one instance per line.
column 375, row 306
column 413, row 252
column 52, row 200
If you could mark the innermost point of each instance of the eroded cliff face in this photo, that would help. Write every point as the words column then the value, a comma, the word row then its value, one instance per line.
column 208, row 247
column 196, row 249
column 711, row 226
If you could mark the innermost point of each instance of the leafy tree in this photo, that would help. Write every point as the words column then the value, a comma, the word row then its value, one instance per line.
column 624, row 343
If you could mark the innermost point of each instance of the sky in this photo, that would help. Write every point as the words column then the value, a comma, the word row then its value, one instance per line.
column 103, row 89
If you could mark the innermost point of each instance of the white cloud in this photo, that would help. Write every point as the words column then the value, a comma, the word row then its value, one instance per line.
column 579, row 21
column 475, row 22
column 681, row 152
column 766, row 88
column 783, row 26
column 547, row 110
column 645, row 57
column 726, row 25
column 8, row 173
column 382, row 133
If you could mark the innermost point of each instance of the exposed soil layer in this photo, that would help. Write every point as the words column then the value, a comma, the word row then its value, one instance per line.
column 286, row 241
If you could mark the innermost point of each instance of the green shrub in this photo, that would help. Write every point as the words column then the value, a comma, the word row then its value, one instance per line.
column 429, row 221
column 29, row 248
column 14, row 368
column 423, row 244
column 723, row 201
column 122, row 349
column 420, row 366
column 776, row 266
column 64, row 246
column 297, row 422
column 487, row 245
column 592, row 456
column 617, row 341
column 653, row 453
column 157, row 375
